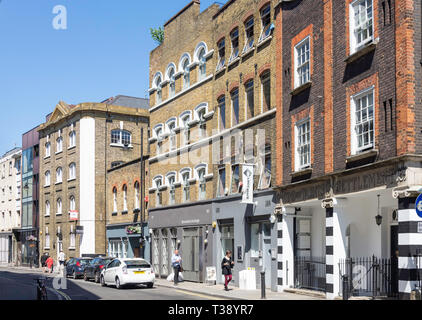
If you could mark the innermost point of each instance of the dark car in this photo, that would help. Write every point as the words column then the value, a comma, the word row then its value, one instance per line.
column 75, row 267
column 94, row 268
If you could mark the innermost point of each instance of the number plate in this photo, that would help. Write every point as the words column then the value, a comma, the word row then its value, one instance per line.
column 139, row 272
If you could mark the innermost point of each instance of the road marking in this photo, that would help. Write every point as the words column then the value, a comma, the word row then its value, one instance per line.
column 199, row 295
column 64, row 295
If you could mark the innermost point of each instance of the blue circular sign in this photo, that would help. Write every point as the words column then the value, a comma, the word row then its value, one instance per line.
column 418, row 205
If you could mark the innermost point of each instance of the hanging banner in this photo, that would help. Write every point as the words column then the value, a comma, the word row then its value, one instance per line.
column 248, row 175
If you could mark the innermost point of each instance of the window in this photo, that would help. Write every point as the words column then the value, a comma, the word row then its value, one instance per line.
column 249, row 88
column 59, row 144
column 72, row 171
column 137, row 196
column 202, row 64
column 202, row 184
column 221, row 182
column 221, row 54
column 235, row 107
column 361, row 24
column 302, row 63
column 158, row 133
column 186, row 129
column 255, row 240
column 202, row 122
column 115, row 164
column 172, row 130
column 125, row 198
column 47, row 178
column 172, row 82
column 303, row 143
column 59, row 206
column 47, row 149
column 363, row 121
column 159, row 196
column 222, row 109
column 47, row 208
column 265, row 176
column 72, row 203
column 72, row 241
column 121, row 137
column 159, row 90
column 234, row 36
column 59, row 175
column 72, row 139
column 266, row 22
column 266, row 91
column 235, row 183
column 186, row 186
column 114, row 200
column 172, row 189
column 249, row 30
column 186, row 74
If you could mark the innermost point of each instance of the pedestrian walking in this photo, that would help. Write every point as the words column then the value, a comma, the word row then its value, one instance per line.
column 43, row 261
column 227, row 265
column 50, row 263
column 176, row 262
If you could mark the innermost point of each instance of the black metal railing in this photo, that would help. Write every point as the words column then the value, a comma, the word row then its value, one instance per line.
column 310, row 273
column 369, row 276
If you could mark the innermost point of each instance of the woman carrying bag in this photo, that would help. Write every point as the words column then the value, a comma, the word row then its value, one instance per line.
column 227, row 265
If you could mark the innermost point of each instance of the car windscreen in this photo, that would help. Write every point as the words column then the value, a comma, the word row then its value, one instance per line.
column 85, row 261
column 135, row 264
column 105, row 261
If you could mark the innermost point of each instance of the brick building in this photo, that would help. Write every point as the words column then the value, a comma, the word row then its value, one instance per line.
column 212, row 97
column 348, row 143
column 78, row 144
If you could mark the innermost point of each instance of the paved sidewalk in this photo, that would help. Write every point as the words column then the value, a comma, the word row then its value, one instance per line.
column 234, row 293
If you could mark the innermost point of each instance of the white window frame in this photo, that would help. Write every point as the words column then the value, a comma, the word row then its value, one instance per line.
column 114, row 200
column 249, row 42
column 47, row 208
column 172, row 188
column 263, row 36
column 355, row 149
column 298, row 155
column 171, row 79
column 59, row 144
column 72, row 139
column 307, row 64
column 235, row 54
column 221, row 59
column 72, row 203
column 47, row 149
column 137, row 195
column 59, row 175
column 198, row 169
column 186, row 196
column 172, row 133
column 158, row 193
column 47, row 176
column 59, row 207
column 354, row 44
column 125, row 198
column 120, row 142
column 72, row 171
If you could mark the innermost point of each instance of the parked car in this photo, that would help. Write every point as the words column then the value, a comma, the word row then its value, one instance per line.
column 94, row 268
column 75, row 267
column 121, row 272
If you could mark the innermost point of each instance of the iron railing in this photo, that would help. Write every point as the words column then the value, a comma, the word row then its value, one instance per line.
column 369, row 276
column 310, row 273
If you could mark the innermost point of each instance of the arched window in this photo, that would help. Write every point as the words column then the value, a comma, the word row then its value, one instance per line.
column 172, row 80
column 171, row 128
column 137, row 195
column 185, row 176
column 47, row 178
column 201, row 171
column 158, row 130
column 158, row 182
column 72, row 171
column 186, row 74
column 47, row 208
column 72, row 139
column 125, row 198
column 59, row 144
column 266, row 22
column 72, row 203
column 47, row 149
column 158, row 81
column 171, row 180
column 114, row 200
column 202, row 64
column 234, row 37
column 59, row 206
column 185, row 118
column 59, row 175
column 201, row 111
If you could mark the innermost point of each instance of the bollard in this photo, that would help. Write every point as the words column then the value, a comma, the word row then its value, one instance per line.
column 263, row 284
column 345, row 287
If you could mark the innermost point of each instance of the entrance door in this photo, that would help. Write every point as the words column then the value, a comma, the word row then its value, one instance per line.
column 394, row 259
column 190, row 254
column 266, row 247
column 227, row 243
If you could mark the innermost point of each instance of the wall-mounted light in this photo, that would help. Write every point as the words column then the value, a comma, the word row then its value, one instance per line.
column 378, row 218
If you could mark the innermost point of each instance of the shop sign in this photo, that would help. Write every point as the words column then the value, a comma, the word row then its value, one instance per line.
column 73, row 215
column 248, row 175
column 418, row 205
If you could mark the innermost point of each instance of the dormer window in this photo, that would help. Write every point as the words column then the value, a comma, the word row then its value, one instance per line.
column 234, row 36
column 249, row 30
column 221, row 54
column 266, row 22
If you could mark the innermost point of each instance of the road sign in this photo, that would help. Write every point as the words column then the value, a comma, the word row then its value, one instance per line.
column 418, row 205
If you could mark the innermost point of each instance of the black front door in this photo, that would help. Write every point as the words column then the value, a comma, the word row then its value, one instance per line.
column 394, row 260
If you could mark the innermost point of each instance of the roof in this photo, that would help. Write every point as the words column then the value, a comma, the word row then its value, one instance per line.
column 127, row 101
column 11, row 152
column 183, row 10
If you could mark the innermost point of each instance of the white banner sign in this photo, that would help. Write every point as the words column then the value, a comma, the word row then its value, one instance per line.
column 248, row 175
column 73, row 215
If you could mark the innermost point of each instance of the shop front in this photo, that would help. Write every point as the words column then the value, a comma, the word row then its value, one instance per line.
column 249, row 231
column 27, row 251
column 6, row 249
column 187, row 228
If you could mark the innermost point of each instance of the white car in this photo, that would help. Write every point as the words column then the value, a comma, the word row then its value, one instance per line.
column 135, row 271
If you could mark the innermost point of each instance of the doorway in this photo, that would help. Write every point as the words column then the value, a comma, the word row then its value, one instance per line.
column 190, row 254
column 394, row 246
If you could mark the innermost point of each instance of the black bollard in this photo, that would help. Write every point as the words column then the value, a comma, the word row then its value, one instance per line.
column 263, row 284
column 345, row 287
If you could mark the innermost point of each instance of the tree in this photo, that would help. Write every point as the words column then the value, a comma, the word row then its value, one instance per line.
column 157, row 34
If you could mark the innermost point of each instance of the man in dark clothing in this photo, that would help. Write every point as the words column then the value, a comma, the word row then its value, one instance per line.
column 43, row 260
column 227, row 265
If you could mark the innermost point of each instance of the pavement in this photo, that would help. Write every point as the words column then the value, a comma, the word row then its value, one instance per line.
column 81, row 290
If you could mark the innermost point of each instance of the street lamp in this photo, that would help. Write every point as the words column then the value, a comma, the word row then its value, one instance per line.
column 378, row 218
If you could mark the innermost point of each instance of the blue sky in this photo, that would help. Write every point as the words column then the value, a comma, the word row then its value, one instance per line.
column 104, row 52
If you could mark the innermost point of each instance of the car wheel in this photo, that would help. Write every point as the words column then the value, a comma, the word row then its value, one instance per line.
column 97, row 278
column 85, row 276
column 150, row 285
column 103, row 284
column 118, row 286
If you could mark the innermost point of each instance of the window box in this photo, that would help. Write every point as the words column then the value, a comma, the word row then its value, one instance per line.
column 362, row 155
column 302, row 172
column 302, row 88
column 370, row 46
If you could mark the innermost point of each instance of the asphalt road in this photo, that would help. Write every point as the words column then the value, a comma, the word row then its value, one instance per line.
column 21, row 285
